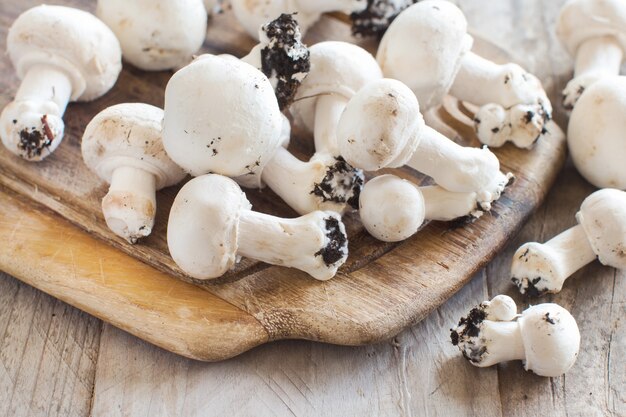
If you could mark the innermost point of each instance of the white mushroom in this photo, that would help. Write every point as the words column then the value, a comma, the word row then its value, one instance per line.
column 594, row 32
column 156, row 34
column 221, row 116
column 61, row 55
column 427, row 47
column 545, row 337
column 369, row 17
column 601, row 232
column 596, row 133
column 122, row 144
column 393, row 209
column 211, row 226
column 382, row 127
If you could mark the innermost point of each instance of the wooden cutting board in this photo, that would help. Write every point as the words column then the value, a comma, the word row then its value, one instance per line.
column 55, row 237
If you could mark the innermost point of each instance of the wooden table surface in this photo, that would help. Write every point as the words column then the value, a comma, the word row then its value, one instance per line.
column 56, row 360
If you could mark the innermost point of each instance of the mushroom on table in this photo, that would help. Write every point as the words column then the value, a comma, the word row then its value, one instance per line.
column 601, row 233
column 211, row 226
column 545, row 336
column 427, row 47
column 123, row 145
column 61, row 54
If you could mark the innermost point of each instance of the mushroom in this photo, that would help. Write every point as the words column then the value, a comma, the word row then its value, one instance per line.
column 427, row 47
column 369, row 17
column 596, row 133
column 545, row 337
column 221, row 116
column 123, row 146
column 382, row 127
column 61, row 55
column 156, row 35
column 211, row 225
column 601, row 232
column 393, row 209
column 594, row 32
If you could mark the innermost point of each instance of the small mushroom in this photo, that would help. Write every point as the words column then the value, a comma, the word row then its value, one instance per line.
column 594, row 32
column 601, row 232
column 382, row 127
column 369, row 17
column 211, row 225
column 61, row 55
column 122, row 144
column 545, row 337
column 156, row 35
column 515, row 106
column 393, row 209
column 596, row 133
column 221, row 116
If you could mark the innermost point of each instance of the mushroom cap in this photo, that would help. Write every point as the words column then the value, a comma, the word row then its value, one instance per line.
column 500, row 308
column 221, row 116
column 380, row 126
column 156, row 35
column 603, row 217
column 129, row 135
column 73, row 40
column 336, row 68
column 581, row 20
column 203, row 226
column 391, row 209
column 551, row 339
column 423, row 48
column 596, row 133
column 253, row 14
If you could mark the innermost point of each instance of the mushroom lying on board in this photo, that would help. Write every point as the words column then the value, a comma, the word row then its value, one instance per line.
column 545, row 337
column 594, row 32
column 427, row 47
column 156, row 35
column 61, row 55
column 122, row 144
column 393, row 209
column 601, row 233
column 221, row 116
column 211, row 226
column 382, row 127
column 369, row 17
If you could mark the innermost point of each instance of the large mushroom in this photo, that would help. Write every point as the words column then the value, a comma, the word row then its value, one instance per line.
column 221, row 116
column 122, row 144
column 594, row 32
column 545, row 336
column 382, row 127
column 427, row 47
column 601, row 233
column 211, row 226
column 156, row 34
column 61, row 55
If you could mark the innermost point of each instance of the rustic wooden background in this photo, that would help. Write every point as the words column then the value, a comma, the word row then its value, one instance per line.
column 56, row 360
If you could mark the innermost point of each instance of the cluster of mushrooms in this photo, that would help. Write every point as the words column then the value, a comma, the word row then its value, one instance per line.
column 226, row 121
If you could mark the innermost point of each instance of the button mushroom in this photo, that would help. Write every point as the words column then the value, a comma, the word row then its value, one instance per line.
column 369, row 17
column 156, row 34
column 61, row 55
column 393, row 209
column 122, row 144
column 427, row 47
column 211, row 226
column 593, row 31
column 545, row 337
column 601, row 232
column 382, row 127
column 221, row 116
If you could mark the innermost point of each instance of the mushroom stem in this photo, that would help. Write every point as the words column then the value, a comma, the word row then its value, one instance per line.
column 315, row 243
column 505, row 342
column 328, row 110
column 444, row 205
column 43, row 83
column 539, row 268
column 130, row 205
